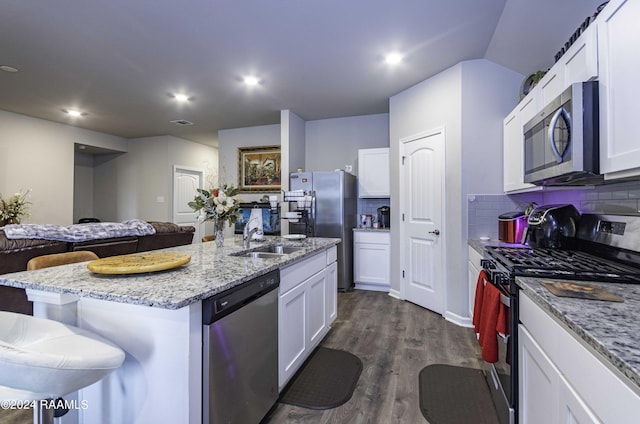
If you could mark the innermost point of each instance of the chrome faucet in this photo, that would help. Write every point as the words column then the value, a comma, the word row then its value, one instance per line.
column 246, row 234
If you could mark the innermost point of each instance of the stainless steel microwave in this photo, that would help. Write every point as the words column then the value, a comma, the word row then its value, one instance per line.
column 561, row 143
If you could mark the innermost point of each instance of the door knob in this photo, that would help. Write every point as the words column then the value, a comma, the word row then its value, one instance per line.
column 436, row 232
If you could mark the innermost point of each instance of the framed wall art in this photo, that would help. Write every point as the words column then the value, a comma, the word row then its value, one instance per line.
column 259, row 169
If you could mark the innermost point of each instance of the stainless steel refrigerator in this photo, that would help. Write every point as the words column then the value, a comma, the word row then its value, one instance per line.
column 334, row 213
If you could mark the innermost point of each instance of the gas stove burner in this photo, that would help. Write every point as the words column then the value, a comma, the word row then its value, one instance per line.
column 561, row 264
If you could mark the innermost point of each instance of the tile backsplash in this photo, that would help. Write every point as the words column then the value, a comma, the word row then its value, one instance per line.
column 484, row 209
column 370, row 206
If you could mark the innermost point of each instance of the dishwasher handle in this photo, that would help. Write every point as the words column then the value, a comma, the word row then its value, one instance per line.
column 217, row 307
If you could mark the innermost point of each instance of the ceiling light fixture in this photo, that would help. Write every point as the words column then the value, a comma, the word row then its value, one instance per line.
column 251, row 80
column 8, row 68
column 74, row 113
column 181, row 97
column 393, row 58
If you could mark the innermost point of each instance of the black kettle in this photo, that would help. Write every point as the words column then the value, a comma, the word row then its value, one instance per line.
column 384, row 216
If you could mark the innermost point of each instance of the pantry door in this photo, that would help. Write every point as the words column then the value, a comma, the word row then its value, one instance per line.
column 185, row 183
column 421, row 199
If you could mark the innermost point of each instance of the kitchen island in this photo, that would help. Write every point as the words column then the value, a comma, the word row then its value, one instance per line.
column 156, row 318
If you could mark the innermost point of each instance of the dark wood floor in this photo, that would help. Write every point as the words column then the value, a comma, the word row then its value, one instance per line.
column 395, row 340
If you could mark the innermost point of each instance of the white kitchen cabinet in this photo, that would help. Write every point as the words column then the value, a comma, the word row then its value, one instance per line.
column 372, row 260
column 538, row 382
column 558, row 373
column 373, row 173
column 619, row 65
column 306, row 308
column 580, row 62
column 292, row 332
column 474, row 270
column 332, row 291
column 513, row 144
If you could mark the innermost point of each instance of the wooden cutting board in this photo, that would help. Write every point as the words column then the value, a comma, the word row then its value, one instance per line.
column 138, row 263
column 579, row 290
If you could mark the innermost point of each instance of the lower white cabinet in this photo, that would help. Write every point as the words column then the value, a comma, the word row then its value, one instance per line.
column 372, row 260
column 474, row 270
column 561, row 381
column 307, row 306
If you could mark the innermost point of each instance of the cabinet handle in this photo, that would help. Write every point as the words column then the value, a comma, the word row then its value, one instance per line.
column 436, row 232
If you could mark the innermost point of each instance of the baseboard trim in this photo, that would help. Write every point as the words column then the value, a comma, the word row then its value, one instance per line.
column 395, row 294
column 458, row 319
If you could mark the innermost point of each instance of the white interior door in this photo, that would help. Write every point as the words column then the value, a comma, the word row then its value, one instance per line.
column 421, row 201
column 185, row 183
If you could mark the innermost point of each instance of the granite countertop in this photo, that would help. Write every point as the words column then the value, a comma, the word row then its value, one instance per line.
column 372, row 230
column 209, row 272
column 611, row 329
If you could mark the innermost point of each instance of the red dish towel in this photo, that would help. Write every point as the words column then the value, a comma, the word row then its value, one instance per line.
column 492, row 309
column 477, row 303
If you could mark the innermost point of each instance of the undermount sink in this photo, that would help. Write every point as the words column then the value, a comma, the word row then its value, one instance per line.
column 269, row 251
column 261, row 255
column 279, row 249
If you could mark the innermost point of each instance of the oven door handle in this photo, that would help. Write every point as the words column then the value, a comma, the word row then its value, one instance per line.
column 562, row 112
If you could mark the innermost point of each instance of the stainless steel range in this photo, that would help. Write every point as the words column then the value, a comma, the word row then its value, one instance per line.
column 603, row 248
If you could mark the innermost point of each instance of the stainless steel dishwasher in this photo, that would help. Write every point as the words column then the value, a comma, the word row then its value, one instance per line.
column 240, row 352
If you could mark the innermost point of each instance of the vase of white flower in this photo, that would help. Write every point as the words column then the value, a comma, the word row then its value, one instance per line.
column 218, row 205
column 14, row 208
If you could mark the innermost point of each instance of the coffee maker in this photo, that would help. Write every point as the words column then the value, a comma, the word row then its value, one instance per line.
column 550, row 226
column 384, row 216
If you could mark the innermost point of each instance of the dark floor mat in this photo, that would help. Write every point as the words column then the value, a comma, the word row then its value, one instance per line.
column 325, row 381
column 455, row 395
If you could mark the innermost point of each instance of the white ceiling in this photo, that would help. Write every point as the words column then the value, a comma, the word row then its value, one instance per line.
column 120, row 60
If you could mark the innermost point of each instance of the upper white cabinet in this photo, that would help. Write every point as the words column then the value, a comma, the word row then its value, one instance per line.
column 579, row 63
column 619, row 65
column 373, row 173
column 513, row 145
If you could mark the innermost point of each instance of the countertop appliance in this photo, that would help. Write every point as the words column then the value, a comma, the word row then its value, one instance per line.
column 511, row 226
column 551, row 225
column 384, row 216
column 605, row 248
column 240, row 352
column 334, row 214
column 561, row 143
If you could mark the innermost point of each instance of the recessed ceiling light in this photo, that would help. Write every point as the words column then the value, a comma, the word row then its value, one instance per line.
column 393, row 58
column 74, row 113
column 8, row 68
column 181, row 97
column 251, row 80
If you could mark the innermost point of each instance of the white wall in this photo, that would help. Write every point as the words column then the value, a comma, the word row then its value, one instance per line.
column 333, row 143
column 129, row 186
column 470, row 101
column 230, row 140
column 39, row 155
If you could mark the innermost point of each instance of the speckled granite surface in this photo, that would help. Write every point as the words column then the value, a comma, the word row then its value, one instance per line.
column 611, row 329
column 372, row 230
column 210, row 271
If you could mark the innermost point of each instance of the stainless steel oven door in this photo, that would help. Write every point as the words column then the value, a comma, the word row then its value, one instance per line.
column 498, row 376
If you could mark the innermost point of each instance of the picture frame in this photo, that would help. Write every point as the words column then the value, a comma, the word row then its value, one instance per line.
column 259, row 169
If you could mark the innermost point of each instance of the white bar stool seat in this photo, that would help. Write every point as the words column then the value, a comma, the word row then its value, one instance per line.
column 43, row 359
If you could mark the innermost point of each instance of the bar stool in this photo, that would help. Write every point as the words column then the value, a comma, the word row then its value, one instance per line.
column 44, row 359
column 55, row 259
